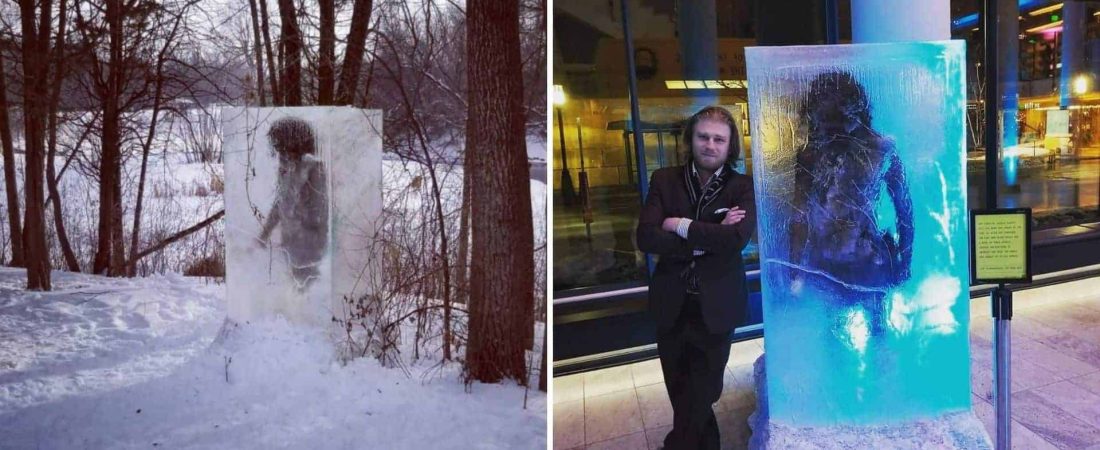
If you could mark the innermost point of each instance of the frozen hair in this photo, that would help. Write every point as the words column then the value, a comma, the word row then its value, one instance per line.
column 292, row 138
column 838, row 93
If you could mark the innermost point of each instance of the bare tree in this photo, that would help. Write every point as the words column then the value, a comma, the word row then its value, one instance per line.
column 273, row 75
column 423, row 47
column 533, row 44
column 258, row 46
column 502, row 268
column 290, row 45
column 36, row 51
column 353, row 55
column 139, row 40
column 542, row 368
column 326, row 78
column 10, row 187
column 58, row 68
column 158, row 76
column 109, row 80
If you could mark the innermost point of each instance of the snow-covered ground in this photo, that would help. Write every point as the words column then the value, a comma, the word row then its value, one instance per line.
column 143, row 363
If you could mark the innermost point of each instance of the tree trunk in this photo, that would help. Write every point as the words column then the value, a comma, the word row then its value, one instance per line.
column 118, row 255
column 14, row 222
column 259, row 54
column 109, row 257
column 502, row 268
column 36, row 46
column 291, row 43
column 461, row 293
column 462, row 280
column 353, row 55
column 51, row 146
column 326, row 79
column 545, row 356
column 273, row 75
column 366, row 85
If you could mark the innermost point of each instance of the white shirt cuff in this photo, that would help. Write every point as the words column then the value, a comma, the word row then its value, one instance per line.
column 682, row 227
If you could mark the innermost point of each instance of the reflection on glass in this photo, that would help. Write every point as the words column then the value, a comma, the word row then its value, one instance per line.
column 1050, row 158
column 685, row 58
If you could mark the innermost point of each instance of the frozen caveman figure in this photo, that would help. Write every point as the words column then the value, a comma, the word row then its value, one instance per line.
column 837, row 242
column 300, row 210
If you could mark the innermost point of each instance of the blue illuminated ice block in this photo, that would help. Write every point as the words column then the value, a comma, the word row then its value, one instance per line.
column 859, row 166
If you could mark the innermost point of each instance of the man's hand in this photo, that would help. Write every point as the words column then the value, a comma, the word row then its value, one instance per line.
column 670, row 224
column 733, row 216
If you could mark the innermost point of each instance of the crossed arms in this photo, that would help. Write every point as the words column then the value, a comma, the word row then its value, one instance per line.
column 657, row 237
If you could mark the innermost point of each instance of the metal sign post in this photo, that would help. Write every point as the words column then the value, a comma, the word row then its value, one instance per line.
column 1002, row 357
column 1000, row 243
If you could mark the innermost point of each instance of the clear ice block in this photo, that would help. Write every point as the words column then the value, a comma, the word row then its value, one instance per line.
column 859, row 165
column 302, row 194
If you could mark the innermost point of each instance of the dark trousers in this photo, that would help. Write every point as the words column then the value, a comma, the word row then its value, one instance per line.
column 693, row 361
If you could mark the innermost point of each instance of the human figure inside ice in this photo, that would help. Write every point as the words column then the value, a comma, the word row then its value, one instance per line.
column 300, row 210
column 837, row 242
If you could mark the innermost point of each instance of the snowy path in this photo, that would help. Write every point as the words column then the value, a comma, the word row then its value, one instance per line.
column 121, row 363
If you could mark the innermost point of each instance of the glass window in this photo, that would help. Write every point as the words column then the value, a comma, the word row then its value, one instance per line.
column 687, row 55
column 596, row 196
column 1050, row 152
column 691, row 54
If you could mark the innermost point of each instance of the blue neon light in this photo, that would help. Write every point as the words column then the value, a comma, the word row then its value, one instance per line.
column 970, row 20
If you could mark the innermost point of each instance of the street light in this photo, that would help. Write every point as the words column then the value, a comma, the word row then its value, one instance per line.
column 559, row 95
column 1081, row 84
column 567, row 192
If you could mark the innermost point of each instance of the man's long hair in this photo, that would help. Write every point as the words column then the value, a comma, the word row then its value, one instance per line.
column 718, row 114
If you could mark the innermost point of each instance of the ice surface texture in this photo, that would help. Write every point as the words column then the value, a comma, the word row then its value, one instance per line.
column 302, row 193
column 959, row 429
column 859, row 164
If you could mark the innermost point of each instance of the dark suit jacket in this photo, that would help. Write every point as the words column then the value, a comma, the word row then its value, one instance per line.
column 723, row 292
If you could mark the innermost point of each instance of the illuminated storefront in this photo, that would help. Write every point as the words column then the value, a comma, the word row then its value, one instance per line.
column 689, row 54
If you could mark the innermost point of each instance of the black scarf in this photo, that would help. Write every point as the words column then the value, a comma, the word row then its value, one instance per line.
column 700, row 197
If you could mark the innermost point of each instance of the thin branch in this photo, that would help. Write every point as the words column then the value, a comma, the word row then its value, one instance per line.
column 175, row 237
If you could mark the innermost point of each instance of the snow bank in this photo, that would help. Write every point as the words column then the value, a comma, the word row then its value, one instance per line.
column 107, row 363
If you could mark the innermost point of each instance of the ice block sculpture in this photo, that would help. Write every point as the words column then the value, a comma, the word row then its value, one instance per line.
column 302, row 194
column 859, row 166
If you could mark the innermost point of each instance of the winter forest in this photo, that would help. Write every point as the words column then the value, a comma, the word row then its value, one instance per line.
column 113, row 322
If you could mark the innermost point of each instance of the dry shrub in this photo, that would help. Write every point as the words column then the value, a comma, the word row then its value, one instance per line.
column 200, row 189
column 207, row 266
column 217, row 184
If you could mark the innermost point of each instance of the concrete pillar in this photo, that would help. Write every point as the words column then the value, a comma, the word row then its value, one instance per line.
column 1073, row 39
column 900, row 21
column 698, row 31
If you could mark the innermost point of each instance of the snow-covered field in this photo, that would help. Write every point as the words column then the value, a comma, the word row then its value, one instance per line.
column 140, row 363
column 145, row 362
